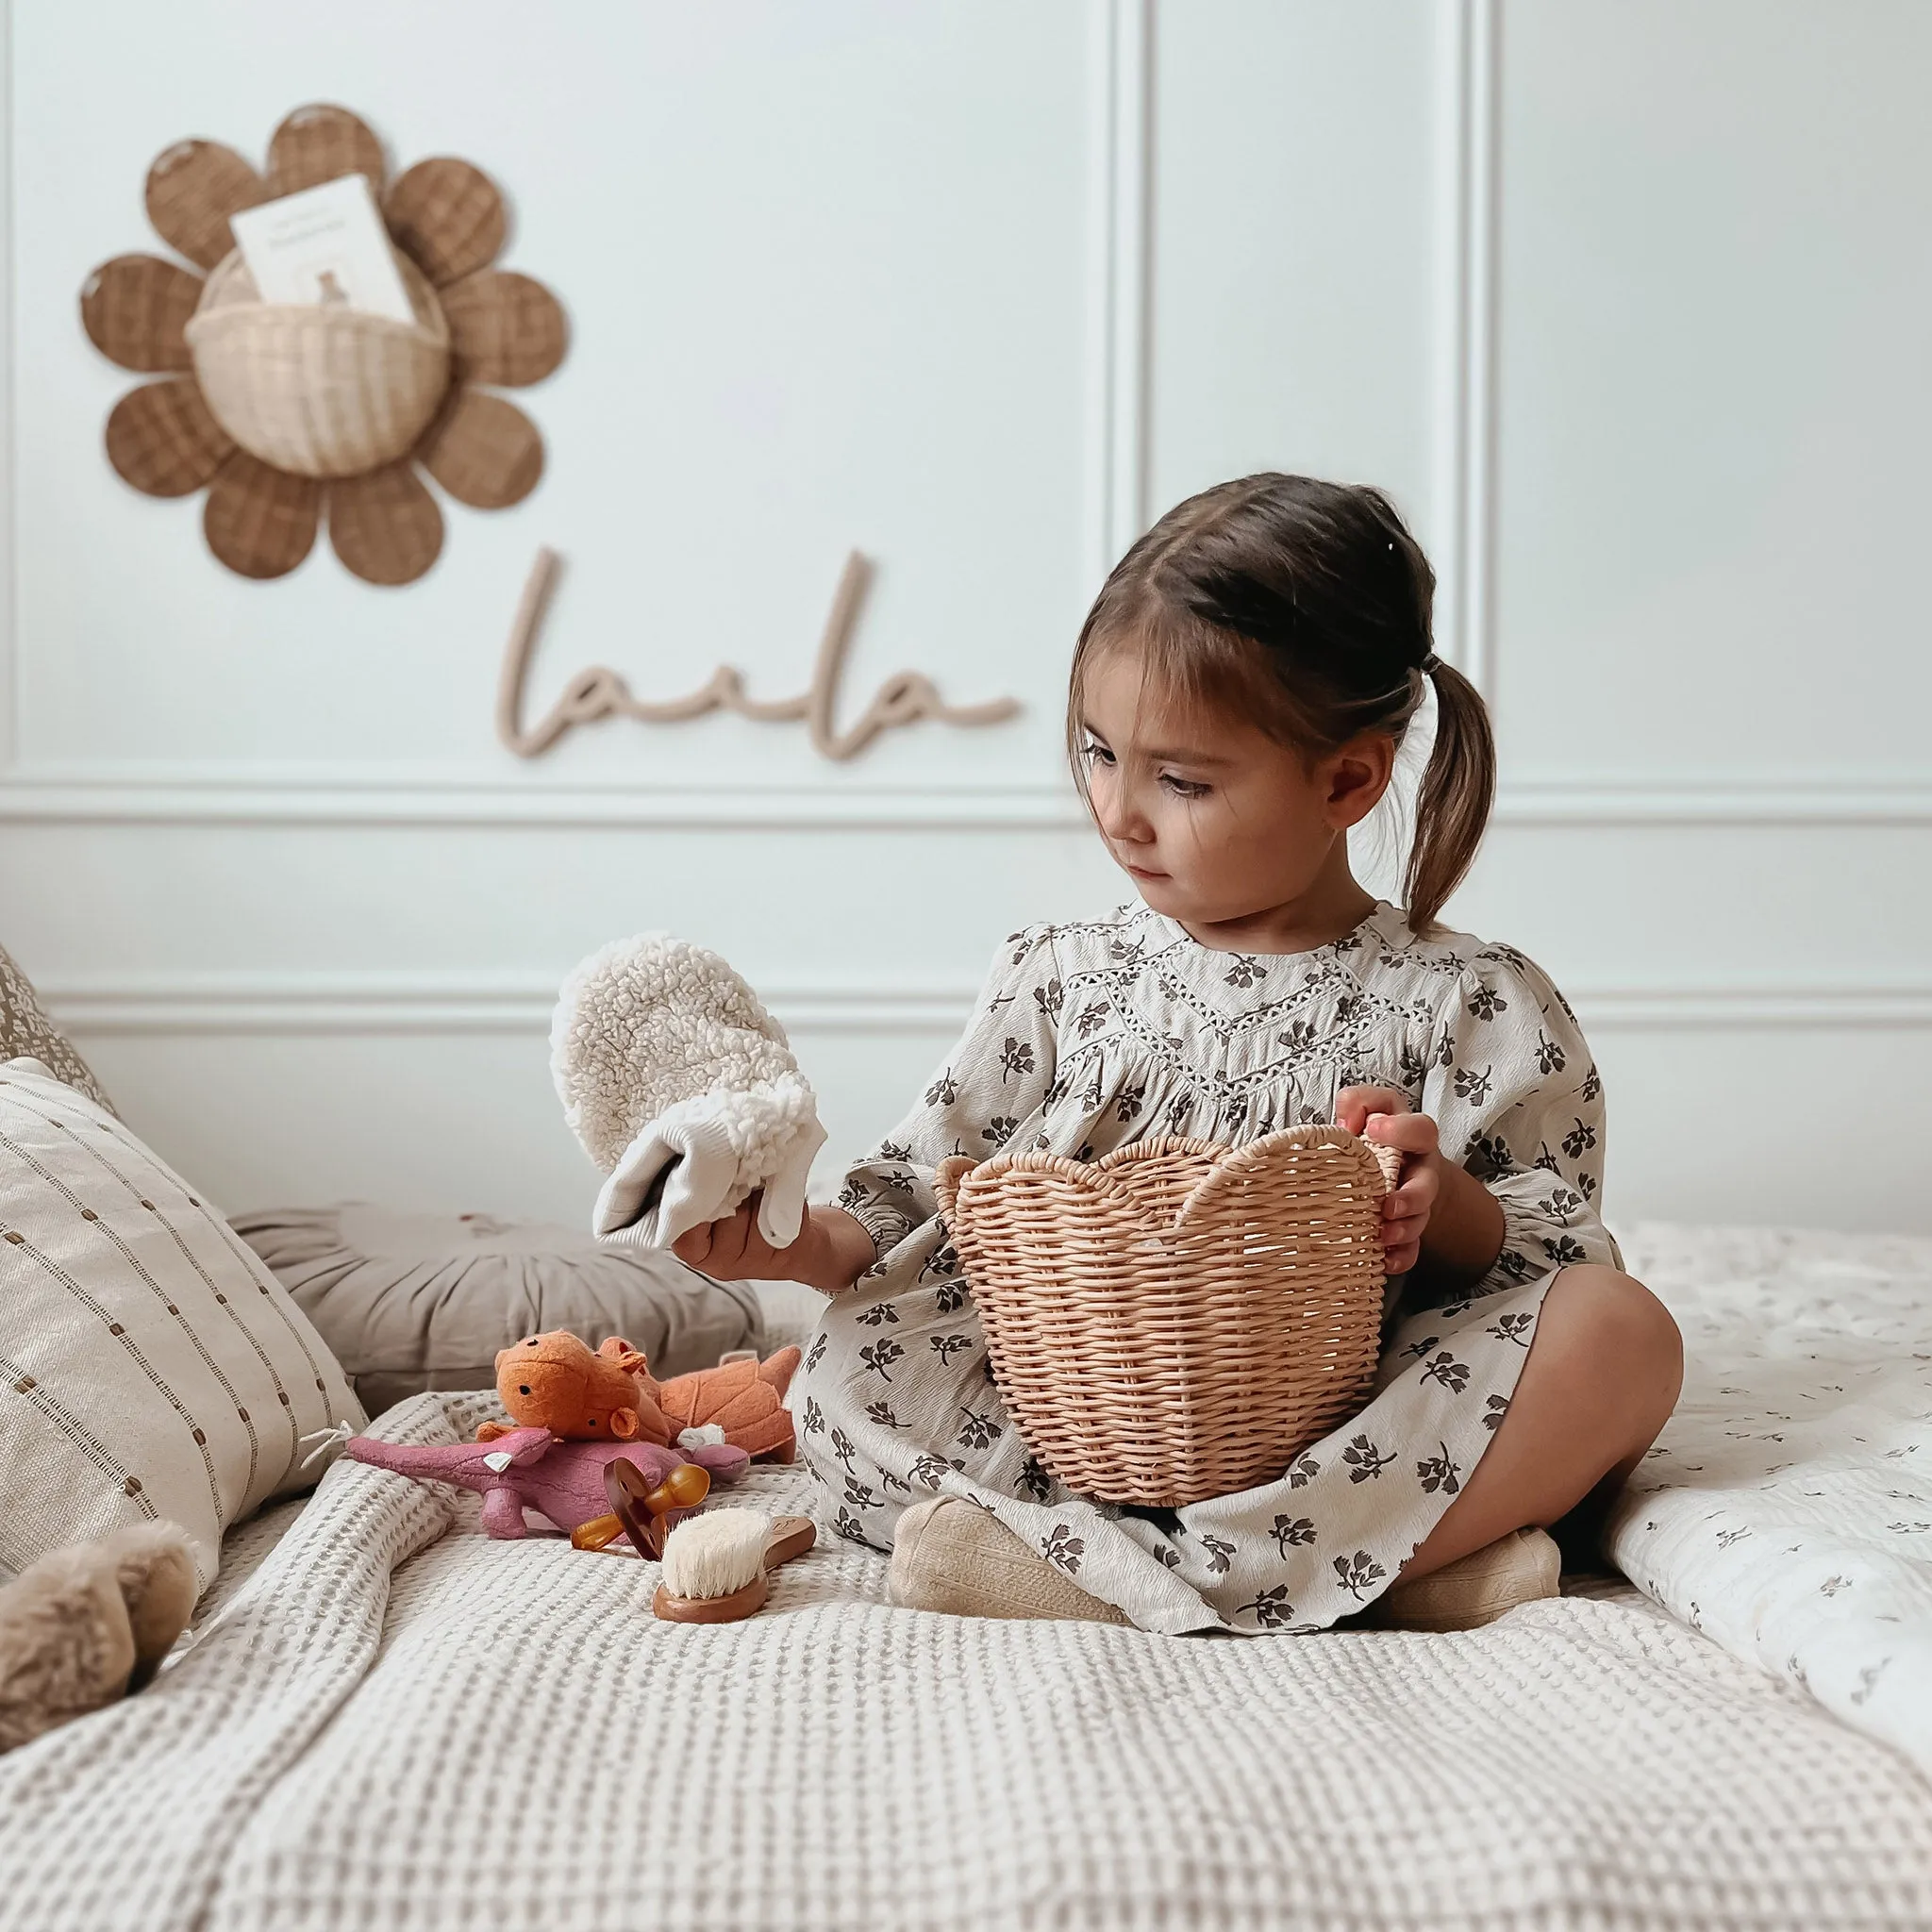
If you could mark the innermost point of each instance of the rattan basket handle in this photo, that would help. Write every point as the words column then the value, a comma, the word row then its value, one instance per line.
column 946, row 1180
column 1389, row 1160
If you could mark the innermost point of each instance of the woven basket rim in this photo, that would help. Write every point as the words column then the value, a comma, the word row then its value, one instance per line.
column 216, row 312
column 1103, row 1175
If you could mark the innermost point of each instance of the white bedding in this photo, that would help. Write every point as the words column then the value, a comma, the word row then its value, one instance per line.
column 396, row 1722
column 1787, row 1511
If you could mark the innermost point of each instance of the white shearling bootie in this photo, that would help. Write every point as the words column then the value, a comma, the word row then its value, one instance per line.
column 683, row 1092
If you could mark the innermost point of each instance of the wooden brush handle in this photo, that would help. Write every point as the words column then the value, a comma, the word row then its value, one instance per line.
column 791, row 1536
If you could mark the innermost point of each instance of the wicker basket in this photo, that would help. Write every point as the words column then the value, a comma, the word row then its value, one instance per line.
column 321, row 391
column 1178, row 1319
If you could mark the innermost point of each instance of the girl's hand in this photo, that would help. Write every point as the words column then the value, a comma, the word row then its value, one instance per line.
column 1381, row 1114
column 734, row 1250
column 831, row 1249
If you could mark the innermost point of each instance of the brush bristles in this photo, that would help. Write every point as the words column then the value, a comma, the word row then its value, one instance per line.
column 715, row 1554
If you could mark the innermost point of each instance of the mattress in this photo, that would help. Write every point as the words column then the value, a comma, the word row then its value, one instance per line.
column 393, row 1720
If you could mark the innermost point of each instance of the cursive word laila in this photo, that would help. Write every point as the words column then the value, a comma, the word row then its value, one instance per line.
column 906, row 698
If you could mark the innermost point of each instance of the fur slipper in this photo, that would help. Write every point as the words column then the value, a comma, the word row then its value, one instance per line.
column 83, row 1623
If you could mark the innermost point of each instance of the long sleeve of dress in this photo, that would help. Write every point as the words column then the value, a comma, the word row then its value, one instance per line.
column 1520, row 1104
column 987, row 1096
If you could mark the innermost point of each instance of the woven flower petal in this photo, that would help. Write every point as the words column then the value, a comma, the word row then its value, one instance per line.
column 504, row 328
column 318, row 142
column 134, row 309
column 485, row 451
column 261, row 522
column 191, row 190
column 161, row 438
column 447, row 216
column 385, row 525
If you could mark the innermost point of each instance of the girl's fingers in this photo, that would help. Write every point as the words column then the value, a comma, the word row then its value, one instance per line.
column 1408, row 1133
column 718, row 1246
column 1404, row 1215
column 739, row 1237
column 1354, row 1104
column 1414, row 1198
column 731, row 1249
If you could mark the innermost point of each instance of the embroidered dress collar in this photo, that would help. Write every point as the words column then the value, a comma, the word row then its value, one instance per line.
column 1382, row 921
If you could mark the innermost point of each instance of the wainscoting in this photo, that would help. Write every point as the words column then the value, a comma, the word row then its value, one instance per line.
column 1610, row 298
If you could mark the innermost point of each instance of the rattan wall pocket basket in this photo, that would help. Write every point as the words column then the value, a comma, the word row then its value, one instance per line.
column 1178, row 1319
column 293, row 418
column 319, row 391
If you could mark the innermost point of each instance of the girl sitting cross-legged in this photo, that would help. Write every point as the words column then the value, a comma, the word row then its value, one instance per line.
column 1239, row 692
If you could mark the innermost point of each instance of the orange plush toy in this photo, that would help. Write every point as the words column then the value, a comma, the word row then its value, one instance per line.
column 747, row 1398
column 558, row 1382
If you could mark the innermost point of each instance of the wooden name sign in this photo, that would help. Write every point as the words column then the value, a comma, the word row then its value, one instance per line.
column 906, row 698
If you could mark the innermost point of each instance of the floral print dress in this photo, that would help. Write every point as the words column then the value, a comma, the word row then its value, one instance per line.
column 1094, row 1034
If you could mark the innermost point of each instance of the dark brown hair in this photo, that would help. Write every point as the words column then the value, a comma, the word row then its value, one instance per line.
column 1307, row 607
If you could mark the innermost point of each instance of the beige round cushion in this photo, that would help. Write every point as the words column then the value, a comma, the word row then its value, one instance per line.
column 410, row 1302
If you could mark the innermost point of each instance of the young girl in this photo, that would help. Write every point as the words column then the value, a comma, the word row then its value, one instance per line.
column 1238, row 695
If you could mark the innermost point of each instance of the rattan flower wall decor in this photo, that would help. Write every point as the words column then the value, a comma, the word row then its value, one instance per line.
column 288, row 414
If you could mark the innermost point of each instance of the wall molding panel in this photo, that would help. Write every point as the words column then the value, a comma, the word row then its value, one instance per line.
column 301, row 1004
column 1717, row 798
column 379, row 796
column 10, row 696
column 1117, row 297
column 378, row 1004
column 1118, row 277
column 1121, row 52
column 977, row 288
column 1467, row 54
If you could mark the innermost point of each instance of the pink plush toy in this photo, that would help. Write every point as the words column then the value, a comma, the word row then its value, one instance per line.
column 533, row 1469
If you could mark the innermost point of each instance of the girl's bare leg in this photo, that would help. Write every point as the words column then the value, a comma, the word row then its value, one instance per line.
column 1603, row 1375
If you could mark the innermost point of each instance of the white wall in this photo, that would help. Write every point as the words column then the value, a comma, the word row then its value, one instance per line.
column 1621, row 302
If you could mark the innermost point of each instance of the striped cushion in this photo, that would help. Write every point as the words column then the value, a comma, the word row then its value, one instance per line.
column 150, row 1365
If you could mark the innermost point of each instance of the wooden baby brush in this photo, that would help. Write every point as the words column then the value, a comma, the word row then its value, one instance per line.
column 716, row 1565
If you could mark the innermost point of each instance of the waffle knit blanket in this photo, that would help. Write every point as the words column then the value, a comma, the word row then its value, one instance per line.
column 394, row 1721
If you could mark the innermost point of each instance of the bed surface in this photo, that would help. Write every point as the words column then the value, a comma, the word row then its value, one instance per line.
column 1787, row 1511
column 389, row 1720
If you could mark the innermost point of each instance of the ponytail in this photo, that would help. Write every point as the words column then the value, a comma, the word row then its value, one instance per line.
column 1452, row 806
